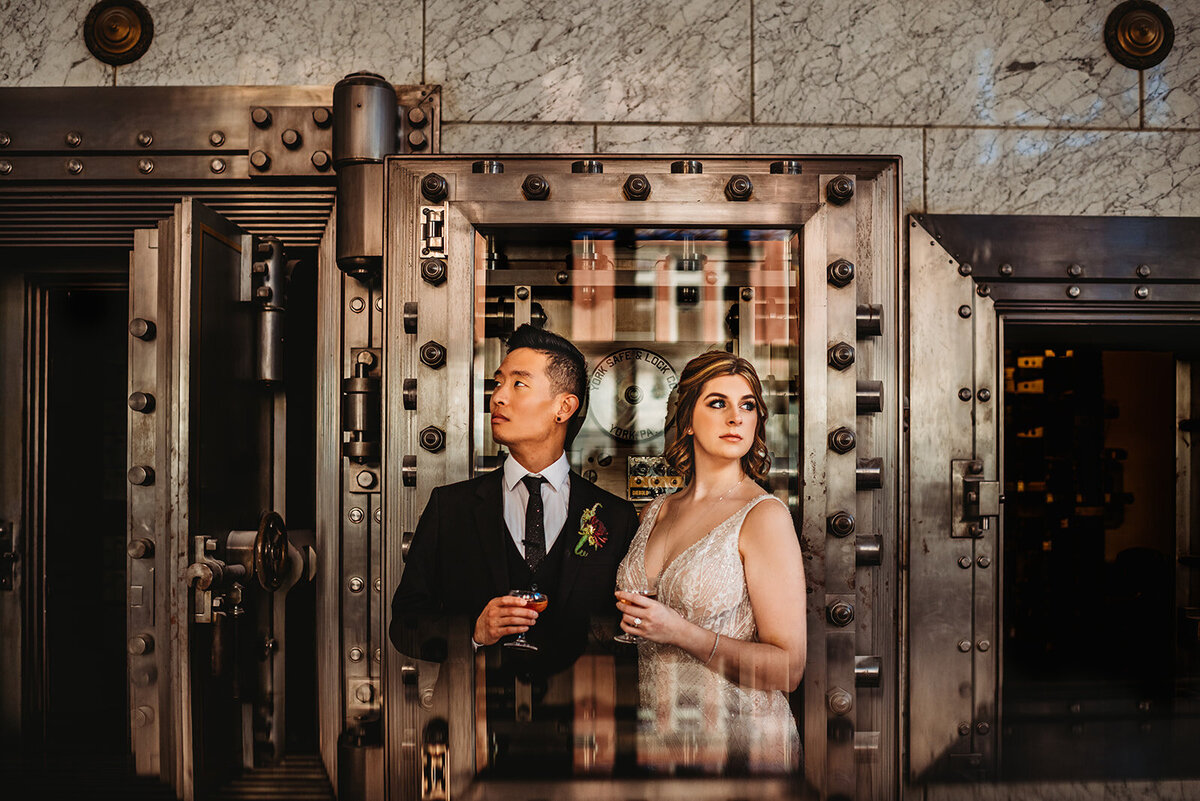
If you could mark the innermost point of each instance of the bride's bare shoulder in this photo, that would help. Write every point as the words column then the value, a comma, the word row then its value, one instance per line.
column 768, row 520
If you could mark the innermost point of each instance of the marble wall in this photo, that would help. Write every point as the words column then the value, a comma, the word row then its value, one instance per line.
column 996, row 106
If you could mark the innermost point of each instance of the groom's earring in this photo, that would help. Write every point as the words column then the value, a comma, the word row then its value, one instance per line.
column 558, row 419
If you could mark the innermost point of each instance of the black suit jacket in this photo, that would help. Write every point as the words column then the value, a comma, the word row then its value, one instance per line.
column 457, row 563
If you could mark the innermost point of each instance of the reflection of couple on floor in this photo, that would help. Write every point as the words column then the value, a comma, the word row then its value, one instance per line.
column 725, row 639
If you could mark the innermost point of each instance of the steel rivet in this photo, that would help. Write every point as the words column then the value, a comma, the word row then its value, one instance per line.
column 984, row 395
column 983, row 727
column 983, row 290
column 965, row 269
column 356, row 515
column 379, row 303
column 1142, row 292
column 356, row 654
column 364, row 693
column 964, row 311
column 261, row 117
column 522, row 293
column 365, row 479
column 260, row 160
column 320, row 160
column 840, row 701
column 378, row 585
column 356, row 584
column 417, row 139
column 5, row 139
column 216, row 138
column 5, row 167
column 983, row 561
column 145, row 166
column 1075, row 270
column 145, row 138
column 747, row 293
column 357, row 304
column 74, row 166
column 964, row 562
column 1143, row 271
column 984, row 645
column 1073, row 292
column 964, row 645
column 291, row 138
column 378, row 515
column 74, row 139
column 1006, row 270
column 964, row 729
column 964, row 394
column 217, row 166
column 378, row 655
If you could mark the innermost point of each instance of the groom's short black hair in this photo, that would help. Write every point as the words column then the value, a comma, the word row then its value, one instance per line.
column 566, row 366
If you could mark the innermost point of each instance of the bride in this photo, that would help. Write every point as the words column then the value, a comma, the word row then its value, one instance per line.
column 725, row 639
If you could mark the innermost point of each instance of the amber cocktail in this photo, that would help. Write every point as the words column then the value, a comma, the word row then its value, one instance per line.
column 537, row 601
column 630, row 639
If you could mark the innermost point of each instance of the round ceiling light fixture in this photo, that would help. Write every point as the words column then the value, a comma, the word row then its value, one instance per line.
column 118, row 31
column 1139, row 34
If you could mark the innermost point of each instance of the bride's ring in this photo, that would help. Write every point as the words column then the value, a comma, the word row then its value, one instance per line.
column 637, row 622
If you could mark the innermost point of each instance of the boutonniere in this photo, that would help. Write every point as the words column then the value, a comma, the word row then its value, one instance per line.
column 592, row 533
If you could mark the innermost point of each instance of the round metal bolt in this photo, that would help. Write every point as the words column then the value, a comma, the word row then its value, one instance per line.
column 320, row 160
column 364, row 693
column 1006, row 270
column 964, row 646
column 964, row 562
column 975, row 467
column 356, row 584
column 840, row 613
column 379, row 303
column 964, row 729
column 434, row 187
column 141, row 402
column 841, row 440
column 357, row 305
column 417, row 117
column 1075, row 270
column 432, row 439
column 74, row 166
column 433, row 271
column 140, row 548
column 965, row 269
column 145, row 138
column 964, row 394
column 840, row 701
column 140, row 475
column 535, row 187
column 141, row 328
column 291, row 138
column 1142, row 292
column 433, row 355
column 839, row 190
column 636, row 187
column 747, row 293
column 841, row 355
column 417, row 140
column 841, row 273
column 1073, row 291
column 217, row 166
column 983, row 290
column 562, row 276
column 840, row 524
column 378, row 588
column 322, row 116
column 355, row 515
column 522, row 293
column 378, row 515
column 365, row 479
column 5, row 167
column 984, row 395
column 964, row 311
column 5, row 139
column 984, row 561
column 984, row 645
column 142, row 717
column 261, row 117
column 145, row 166
column 739, row 187
column 983, row 727
column 1143, row 271
column 356, row 654
column 216, row 138
column 140, row 644
column 260, row 160
column 74, row 139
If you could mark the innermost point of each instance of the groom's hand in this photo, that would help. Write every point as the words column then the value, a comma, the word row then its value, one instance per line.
column 501, row 617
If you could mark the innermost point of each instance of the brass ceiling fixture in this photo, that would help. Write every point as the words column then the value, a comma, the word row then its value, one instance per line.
column 118, row 31
column 1139, row 34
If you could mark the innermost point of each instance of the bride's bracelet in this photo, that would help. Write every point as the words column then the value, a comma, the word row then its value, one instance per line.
column 713, row 652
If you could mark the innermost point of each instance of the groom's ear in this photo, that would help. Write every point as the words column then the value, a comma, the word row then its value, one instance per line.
column 568, row 405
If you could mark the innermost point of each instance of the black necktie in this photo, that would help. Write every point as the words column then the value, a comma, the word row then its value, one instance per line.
column 535, row 523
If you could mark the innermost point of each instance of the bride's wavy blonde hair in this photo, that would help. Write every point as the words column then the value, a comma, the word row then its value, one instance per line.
column 680, row 454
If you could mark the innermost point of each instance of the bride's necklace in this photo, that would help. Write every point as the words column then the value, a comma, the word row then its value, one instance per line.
column 671, row 522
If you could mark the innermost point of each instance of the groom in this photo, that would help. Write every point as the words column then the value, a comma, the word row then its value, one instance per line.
column 531, row 522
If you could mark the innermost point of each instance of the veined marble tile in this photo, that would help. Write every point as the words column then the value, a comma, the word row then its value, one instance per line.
column 1063, row 172
column 1173, row 87
column 498, row 138
column 775, row 139
column 43, row 45
column 940, row 62
column 572, row 60
column 285, row 42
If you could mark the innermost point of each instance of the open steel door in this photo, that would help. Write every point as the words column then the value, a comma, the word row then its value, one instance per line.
column 207, row 543
column 955, row 485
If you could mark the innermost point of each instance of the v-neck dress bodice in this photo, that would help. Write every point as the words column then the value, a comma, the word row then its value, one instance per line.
column 689, row 715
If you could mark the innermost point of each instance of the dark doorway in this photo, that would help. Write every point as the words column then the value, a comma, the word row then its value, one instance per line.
column 1091, row 684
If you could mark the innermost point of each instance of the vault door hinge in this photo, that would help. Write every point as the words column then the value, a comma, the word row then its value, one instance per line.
column 976, row 500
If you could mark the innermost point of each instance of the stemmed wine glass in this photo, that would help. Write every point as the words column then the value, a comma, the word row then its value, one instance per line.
column 630, row 639
column 537, row 601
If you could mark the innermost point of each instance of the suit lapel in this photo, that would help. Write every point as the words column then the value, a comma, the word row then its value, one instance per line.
column 489, row 525
column 569, row 535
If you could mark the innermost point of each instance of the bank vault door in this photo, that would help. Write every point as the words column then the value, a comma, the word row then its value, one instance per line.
column 954, row 517
column 209, row 556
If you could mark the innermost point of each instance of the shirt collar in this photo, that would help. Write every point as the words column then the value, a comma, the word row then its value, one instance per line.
column 556, row 475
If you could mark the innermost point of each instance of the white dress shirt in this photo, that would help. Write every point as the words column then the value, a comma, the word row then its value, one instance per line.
column 556, row 494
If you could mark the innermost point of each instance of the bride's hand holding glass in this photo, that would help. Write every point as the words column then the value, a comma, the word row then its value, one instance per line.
column 643, row 616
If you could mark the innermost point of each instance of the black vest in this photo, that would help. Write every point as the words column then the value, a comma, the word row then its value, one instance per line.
column 547, row 577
